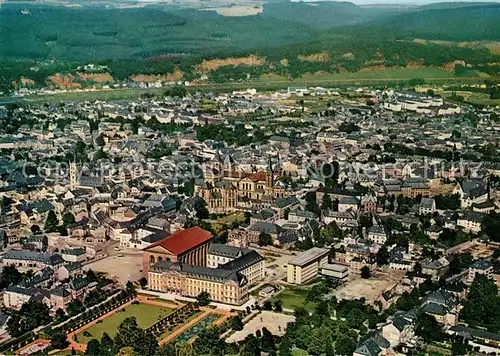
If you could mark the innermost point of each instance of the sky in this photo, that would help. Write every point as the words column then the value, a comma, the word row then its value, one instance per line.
column 406, row 2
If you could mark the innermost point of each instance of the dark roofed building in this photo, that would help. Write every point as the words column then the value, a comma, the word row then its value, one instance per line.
column 32, row 259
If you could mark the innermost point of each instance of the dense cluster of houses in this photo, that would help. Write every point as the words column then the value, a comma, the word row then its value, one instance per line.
column 134, row 172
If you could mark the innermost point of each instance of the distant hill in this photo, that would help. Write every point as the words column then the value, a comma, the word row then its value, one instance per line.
column 327, row 14
column 464, row 23
column 452, row 5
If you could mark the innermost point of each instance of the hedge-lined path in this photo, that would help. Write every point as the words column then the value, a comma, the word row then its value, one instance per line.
column 82, row 347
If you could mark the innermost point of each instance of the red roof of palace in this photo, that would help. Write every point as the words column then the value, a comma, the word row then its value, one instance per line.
column 184, row 240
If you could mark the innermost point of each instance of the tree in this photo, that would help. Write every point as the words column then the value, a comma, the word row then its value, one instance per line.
column 107, row 345
column 236, row 323
column 203, row 298
column 99, row 141
column 285, row 348
column 268, row 305
column 326, row 203
column 10, row 275
column 406, row 302
column 267, row 341
column 51, row 223
column 382, row 256
column 178, row 91
column 35, row 229
column 482, row 307
column 130, row 289
column 58, row 339
column 143, row 282
column 201, row 209
column 265, row 239
column 31, row 315
column 75, row 307
column 209, row 342
column 60, row 314
column 459, row 346
column 81, row 152
column 311, row 203
column 320, row 337
column 365, row 272
column 94, row 348
column 277, row 306
column 68, row 218
column 301, row 102
column 344, row 345
column 428, row 328
column 131, row 335
column 491, row 226
column 99, row 154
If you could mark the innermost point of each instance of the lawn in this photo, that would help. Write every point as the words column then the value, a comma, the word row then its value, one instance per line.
column 145, row 314
column 293, row 298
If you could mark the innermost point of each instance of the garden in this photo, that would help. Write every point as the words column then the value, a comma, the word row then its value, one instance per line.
column 145, row 314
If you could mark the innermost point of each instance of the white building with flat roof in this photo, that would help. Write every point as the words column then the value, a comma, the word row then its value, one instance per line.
column 306, row 265
column 335, row 270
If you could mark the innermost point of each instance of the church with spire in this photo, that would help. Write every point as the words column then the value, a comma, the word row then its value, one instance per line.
column 226, row 188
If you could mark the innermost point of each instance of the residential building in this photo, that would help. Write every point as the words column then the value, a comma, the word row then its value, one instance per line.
column 479, row 267
column 427, row 206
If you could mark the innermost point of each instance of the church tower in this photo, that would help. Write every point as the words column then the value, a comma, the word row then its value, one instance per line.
column 270, row 174
column 73, row 175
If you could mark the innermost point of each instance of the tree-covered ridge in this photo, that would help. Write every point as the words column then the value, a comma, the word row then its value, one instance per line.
column 294, row 39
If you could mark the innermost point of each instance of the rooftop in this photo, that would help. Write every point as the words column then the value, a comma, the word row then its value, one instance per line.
column 183, row 241
column 308, row 256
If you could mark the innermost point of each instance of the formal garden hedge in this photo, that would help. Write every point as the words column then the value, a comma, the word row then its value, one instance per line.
column 96, row 312
column 173, row 320
column 12, row 345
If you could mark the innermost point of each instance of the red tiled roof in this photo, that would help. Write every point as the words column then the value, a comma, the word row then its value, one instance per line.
column 184, row 240
column 258, row 176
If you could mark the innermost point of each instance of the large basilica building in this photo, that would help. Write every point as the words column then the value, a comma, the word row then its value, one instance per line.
column 226, row 188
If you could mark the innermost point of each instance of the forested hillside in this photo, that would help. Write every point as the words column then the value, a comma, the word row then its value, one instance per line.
column 287, row 39
column 466, row 23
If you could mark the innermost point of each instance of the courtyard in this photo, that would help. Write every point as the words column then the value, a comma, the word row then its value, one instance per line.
column 123, row 267
column 145, row 314
column 275, row 322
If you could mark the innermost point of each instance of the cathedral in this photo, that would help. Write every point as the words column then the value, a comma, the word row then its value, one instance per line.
column 226, row 189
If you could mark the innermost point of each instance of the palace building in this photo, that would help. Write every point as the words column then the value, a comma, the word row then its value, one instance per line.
column 225, row 286
column 185, row 246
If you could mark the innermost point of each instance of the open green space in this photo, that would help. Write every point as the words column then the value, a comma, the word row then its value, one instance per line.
column 300, row 352
column 145, row 314
column 293, row 298
column 473, row 97
column 376, row 77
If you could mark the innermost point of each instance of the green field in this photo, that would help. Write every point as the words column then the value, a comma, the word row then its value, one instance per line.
column 396, row 75
column 473, row 97
column 293, row 298
column 145, row 314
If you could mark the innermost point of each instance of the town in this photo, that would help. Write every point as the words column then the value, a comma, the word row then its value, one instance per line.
column 303, row 221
